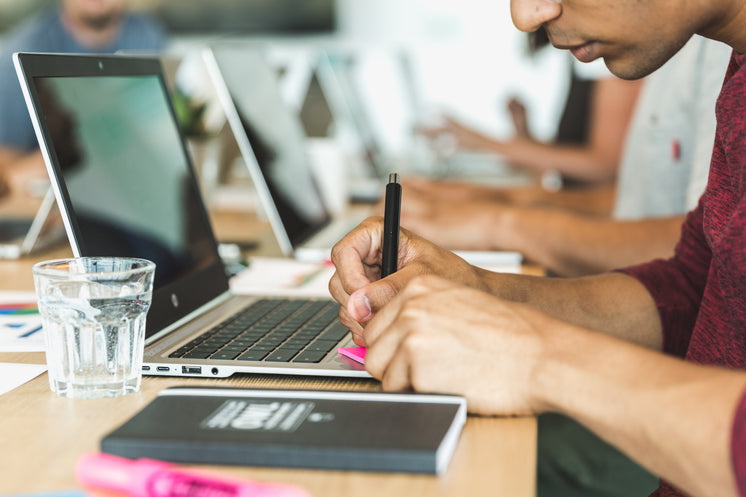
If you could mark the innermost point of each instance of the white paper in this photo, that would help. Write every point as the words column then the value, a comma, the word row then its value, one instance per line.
column 14, row 375
column 284, row 277
column 20, row 332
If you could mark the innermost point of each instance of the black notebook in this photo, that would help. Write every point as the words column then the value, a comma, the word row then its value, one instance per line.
column 365, row 431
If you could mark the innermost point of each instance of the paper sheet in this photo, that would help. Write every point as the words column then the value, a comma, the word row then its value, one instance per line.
column 20, row 323
column 14, row 375
column 283, row 276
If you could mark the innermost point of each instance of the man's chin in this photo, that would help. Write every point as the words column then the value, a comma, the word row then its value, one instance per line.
column 628, row 71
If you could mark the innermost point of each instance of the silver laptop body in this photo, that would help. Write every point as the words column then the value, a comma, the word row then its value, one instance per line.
column 272, row 144
column 126, row 187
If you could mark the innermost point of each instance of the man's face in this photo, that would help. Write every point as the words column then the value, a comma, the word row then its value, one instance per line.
column 96, row 14
column 634, row 37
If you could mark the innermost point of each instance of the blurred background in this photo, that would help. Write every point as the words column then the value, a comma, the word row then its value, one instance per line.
column 421, row 56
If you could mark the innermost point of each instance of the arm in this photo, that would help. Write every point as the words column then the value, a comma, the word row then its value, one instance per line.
column 595, row 200
column 566, row 243
column 614, row 303
column 673, row 417
column 612, row 104
column 597, row 161
column 569, row 244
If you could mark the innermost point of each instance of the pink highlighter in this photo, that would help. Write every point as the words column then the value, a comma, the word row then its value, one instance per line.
column 151, row 478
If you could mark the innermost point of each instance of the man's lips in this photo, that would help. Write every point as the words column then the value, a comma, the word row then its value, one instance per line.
column 584, row 52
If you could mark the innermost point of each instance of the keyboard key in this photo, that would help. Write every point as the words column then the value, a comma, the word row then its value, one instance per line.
column 197, row 354
column 310, row 356
column 281, row 355
column 272, row 330
column 336, row 332
column 322, row 345
column 225, row 354
column 253, row 355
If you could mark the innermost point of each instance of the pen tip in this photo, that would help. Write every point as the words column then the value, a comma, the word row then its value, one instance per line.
column 393, row 177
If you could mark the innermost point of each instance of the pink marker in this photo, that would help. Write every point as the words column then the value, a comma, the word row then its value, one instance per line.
column 151, row 478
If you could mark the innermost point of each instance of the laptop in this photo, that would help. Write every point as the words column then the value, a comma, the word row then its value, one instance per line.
column 126, row 186
column 272, row 143
column 21, row 236
column 334, row 74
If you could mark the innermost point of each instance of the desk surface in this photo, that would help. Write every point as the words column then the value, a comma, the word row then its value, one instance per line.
column 43, row 435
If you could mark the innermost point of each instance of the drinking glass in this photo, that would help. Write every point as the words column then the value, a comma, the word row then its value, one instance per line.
column 93, row 310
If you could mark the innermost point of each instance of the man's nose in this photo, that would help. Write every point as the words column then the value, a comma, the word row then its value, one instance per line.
column 529, row 15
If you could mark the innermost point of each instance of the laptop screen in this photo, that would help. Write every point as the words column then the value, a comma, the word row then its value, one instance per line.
column 275, row 135
column 120, row 162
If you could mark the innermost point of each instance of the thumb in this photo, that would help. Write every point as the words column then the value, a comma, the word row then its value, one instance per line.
column 366, row 301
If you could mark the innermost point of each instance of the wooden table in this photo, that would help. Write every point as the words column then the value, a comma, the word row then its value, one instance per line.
column 42, row 435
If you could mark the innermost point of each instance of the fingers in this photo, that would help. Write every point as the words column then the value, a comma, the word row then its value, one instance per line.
column 385, row 331
column 355, row 254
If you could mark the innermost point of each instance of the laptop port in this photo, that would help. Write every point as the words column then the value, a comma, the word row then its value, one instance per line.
column 146, row 368
column 164, row 369
column 191, row 369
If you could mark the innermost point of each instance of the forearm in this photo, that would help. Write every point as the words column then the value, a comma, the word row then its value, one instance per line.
column 596, row 200
column 613, row 303
column 569, row 244
column 577, row 161
column 671, row 416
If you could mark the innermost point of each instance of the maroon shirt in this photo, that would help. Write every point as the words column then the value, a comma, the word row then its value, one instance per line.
column 701, row 291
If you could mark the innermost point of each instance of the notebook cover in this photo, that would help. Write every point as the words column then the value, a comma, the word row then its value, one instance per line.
column 365, row 431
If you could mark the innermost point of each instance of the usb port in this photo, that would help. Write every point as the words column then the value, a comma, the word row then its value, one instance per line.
column 146, row 368
column 191, row 369
column 164, row 369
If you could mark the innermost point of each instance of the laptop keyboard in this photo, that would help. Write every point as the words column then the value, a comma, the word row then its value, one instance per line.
column 273, row 330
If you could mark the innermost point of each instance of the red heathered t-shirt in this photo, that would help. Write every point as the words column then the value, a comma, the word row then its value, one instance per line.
column 701, row 291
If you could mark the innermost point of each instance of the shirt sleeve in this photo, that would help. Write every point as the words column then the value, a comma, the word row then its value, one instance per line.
column 738, row 446
column 677, row 284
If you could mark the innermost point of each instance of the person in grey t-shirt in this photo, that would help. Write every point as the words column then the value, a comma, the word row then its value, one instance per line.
column 72, row 26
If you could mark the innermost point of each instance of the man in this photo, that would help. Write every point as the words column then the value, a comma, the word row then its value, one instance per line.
column 663, row 172
column 590, row 347
column 74, row 26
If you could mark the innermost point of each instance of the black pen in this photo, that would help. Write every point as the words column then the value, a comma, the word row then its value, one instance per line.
column 391, row 213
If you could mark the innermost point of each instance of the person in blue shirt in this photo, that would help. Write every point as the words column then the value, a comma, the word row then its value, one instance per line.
column 72, row 26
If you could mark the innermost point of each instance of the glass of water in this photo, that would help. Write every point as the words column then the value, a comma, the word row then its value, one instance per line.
column 93, row 310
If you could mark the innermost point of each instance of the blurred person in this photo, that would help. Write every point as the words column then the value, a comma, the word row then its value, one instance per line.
column 590, row 133
column 652, row 357
column 72, row 26
column 663, row 172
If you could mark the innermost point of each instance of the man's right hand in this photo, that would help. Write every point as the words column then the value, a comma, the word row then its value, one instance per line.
column 357, row 283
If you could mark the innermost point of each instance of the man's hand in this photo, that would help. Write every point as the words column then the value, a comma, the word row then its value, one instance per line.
column 439, row 336
column 357, row 285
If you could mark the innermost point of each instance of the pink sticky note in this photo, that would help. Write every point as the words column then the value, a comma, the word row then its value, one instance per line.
column 357, row 354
